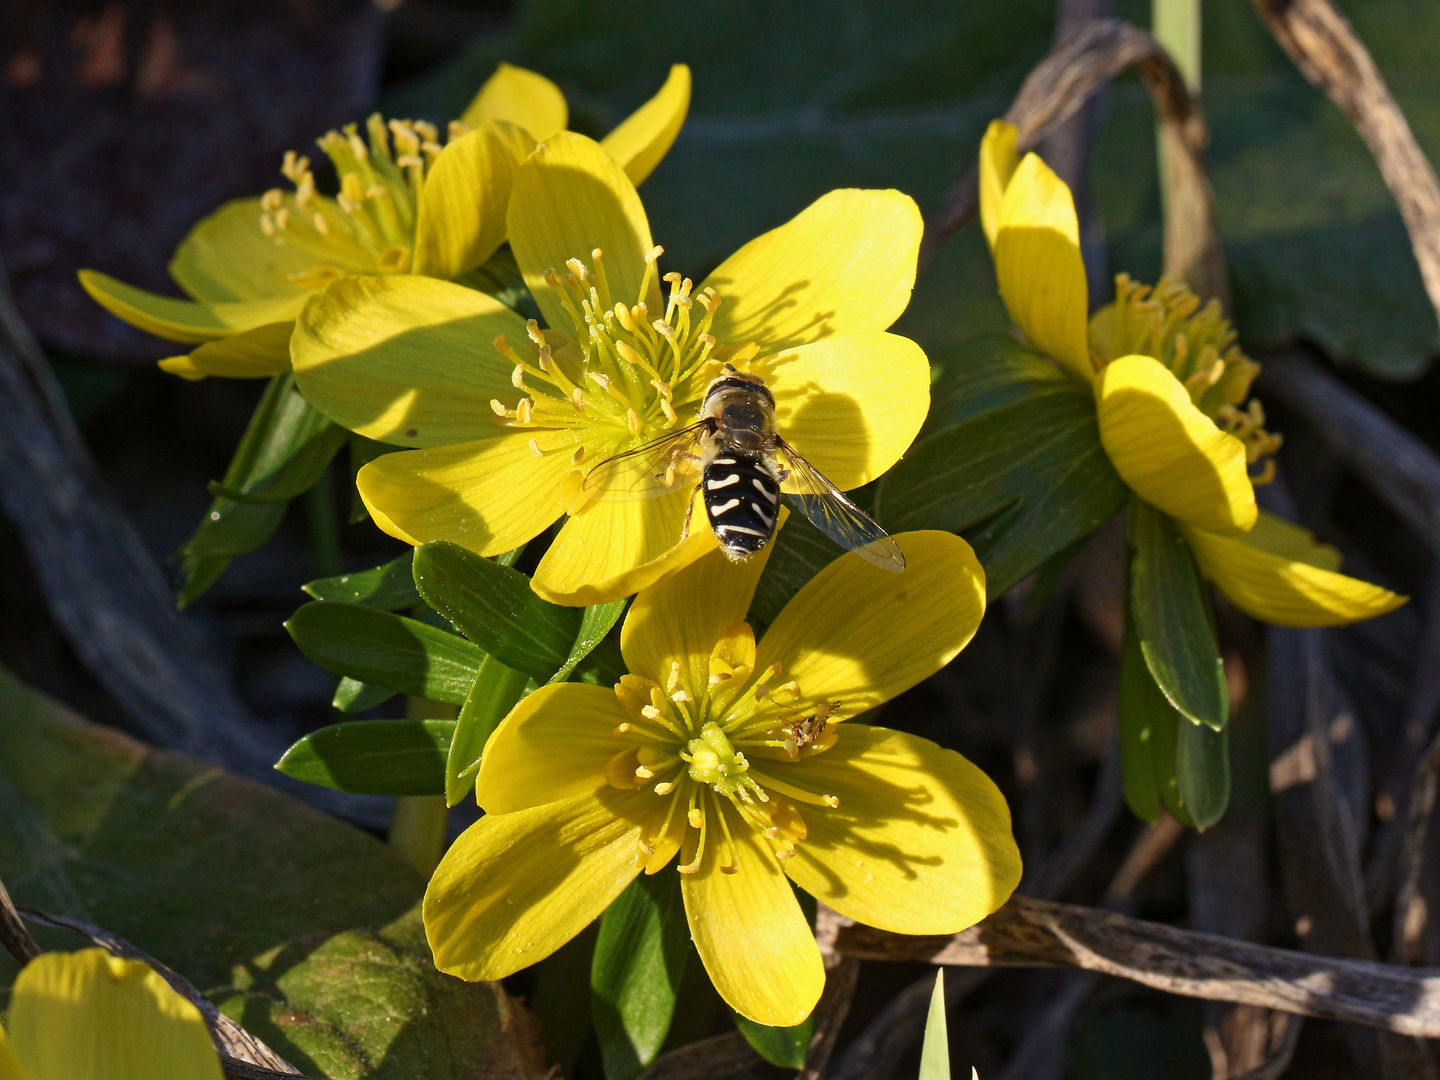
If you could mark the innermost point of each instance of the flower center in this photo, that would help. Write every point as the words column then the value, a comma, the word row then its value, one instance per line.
column 691, row 751
column 1198, row 345
column 369, row 227
column 620, row 372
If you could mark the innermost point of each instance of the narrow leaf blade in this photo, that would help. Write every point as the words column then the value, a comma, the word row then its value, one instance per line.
column 935, row 1053
column 373, row 757
column 595, row 622
column 496, row 690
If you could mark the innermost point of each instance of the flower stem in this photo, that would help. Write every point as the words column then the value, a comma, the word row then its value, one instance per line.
column 417, row 831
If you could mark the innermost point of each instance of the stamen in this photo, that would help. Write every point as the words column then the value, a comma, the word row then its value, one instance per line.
column 535, row 449
column 672, row 680
column 498, row 407
column 632, row 419
column 517, row 377
column 577, row 398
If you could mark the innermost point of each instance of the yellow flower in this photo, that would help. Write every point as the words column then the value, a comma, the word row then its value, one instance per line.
column 1170, row 390
column 738, row 763
column 90, row 1016
column 405, row 205
column 511, row 416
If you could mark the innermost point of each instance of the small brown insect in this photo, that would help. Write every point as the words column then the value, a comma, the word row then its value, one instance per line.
column 806, row 730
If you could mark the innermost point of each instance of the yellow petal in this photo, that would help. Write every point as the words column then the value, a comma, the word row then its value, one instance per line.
column 611, row 550
column 490, row 496
column 920, row 843
column 10, row 1067
column 251, row 354
column 554, row 745
column 91, row 1016
column 850, row 404
column 843, row 265
column 752, row 937
column 515, row 887
column 186, row 320
column 405, row 359
column 1278, row 574
column 467, row 191
column 860, row 635
column 1170, row 453
column 521, row 97
column 1039, row 267
column 998, row 162
column 646, row 135
column 227, row 256
column 681, row 617
column 570, row 198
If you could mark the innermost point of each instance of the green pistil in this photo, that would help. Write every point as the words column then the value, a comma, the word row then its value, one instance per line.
column 714, row 762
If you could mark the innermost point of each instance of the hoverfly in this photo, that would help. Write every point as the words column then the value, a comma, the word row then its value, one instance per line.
column 744, row 465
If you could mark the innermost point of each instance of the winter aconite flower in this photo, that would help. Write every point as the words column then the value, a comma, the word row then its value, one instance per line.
column 736, row 764
column 1172, row 398
column 406, row 204
column 91, row 1016
column 512, row 415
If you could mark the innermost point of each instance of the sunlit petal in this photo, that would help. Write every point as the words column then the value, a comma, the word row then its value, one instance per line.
column 998, row 162
column 920, row 843
column 680, row 618
column 554, row 745
column 850, row 404
column 515, row 887
column 491, row 495
column 251, row 354
column 646, row 135
column 1278, row 574
column 1039, row 266
column 467, row 191
column 570, row 198
column 611, row 550
column 187, row 320
column 228, row 257
column 404, row 359
column 521, row 97
column 752, row 937
column 1170, row 453
column 92, row 1016
column 859, row 635
column 10, row 1067
column 843, row 265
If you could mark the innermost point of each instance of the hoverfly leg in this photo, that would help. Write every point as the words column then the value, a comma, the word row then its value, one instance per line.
column 689, row 514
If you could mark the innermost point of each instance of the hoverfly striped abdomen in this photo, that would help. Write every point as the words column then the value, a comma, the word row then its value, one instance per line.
column 742, row 498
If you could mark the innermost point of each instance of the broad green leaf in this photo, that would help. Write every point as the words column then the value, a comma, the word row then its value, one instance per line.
column 1022, row 482
column 639, row 961
column 386, row 649
column 801, row 552
column 352, row 695
column 984, row 373
column 494, row 693
column 286, row 448
column 935, row 1053
column 782, row 1046
column 604, row 666
column 388, row 588
column 1173, row 621
column 305, row 930
column 595, row 622
column 373, row 757
column 495, row 607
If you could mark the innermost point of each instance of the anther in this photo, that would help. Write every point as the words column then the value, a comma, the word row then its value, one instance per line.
column 642, row 773
column 577, row 398
column 600, row 380
column 695, row 817
column 533, row 328
column 517, row 377
column 524, row 410
column 321, row 225
column 672, row 680
column 650, row 712
column 535, row 449
column 623, row 728
column 654, row 253
column 665, row 787
column 632, row 418
column 680, row 697
column 498, row 407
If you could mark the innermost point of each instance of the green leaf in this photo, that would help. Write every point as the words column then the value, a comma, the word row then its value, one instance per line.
column 604, row 666
column 352, row 695
column 495, row 607
column 1202, row 772
column 495, row 691
column 983, row 373
column 595, row 622
column 388, row 588
column 373, row 757
column 801, row 552
column 635, row 975
column 286, row 447
column 782, row 1046
column 1173, row 620
column 1022, row 481
column 304, row 929
column 935, row 1053
column 1141, row 708
column 386, row 649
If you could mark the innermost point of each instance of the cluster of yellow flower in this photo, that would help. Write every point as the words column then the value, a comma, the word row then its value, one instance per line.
column 735, row 761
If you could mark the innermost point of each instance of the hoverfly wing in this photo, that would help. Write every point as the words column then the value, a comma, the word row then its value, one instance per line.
column 836, row 516
column 653, row 469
